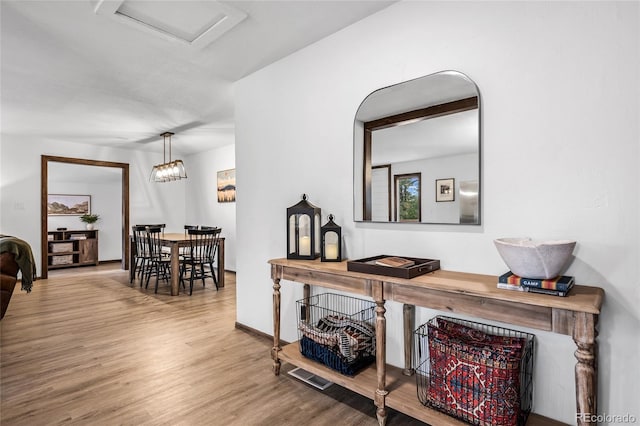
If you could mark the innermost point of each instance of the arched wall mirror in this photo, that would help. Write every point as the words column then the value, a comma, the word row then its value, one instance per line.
column 417, row 152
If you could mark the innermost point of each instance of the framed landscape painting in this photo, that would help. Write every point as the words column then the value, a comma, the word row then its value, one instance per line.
column 68, row 205
column 227, row 186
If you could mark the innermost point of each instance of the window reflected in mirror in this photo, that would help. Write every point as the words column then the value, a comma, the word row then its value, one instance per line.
column 407, row 192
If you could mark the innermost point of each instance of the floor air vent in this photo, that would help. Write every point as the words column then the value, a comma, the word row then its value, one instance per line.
column 310, row 378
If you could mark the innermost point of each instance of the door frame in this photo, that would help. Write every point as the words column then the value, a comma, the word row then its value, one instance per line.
column 44, row 193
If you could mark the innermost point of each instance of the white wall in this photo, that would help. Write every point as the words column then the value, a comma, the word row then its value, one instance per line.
column 560, row 90
column 20, row 186
column 202, row 206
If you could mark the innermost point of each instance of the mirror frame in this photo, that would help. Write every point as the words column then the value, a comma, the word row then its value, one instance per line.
column 433, row 111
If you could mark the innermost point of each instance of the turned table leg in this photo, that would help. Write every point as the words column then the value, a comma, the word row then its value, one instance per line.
column 276, row 326
column 381, row 354
column 584, row 335
column 408, row 313
column 175, row 268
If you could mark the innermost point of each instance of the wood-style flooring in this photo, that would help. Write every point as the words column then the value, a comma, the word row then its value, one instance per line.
column 86, row 347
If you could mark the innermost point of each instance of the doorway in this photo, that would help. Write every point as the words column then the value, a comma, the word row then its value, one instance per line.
column 44, row 192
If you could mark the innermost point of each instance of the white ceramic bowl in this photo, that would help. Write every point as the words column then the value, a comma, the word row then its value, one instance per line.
column 535, row 259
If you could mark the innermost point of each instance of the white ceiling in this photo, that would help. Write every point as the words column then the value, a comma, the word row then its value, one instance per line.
column 69, row 73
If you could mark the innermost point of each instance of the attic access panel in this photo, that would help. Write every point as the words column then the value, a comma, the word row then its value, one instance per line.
column 194, row 23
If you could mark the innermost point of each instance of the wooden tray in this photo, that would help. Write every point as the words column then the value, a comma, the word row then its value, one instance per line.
column 368, row 265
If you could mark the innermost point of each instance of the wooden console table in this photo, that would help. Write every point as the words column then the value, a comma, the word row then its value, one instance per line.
column 454, row 292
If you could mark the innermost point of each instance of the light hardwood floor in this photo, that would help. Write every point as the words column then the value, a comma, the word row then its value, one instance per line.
column 85, row 347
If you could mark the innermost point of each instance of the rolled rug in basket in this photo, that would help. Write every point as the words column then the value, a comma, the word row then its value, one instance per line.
column 341, row 343
column 354, row 337
column 350, row 337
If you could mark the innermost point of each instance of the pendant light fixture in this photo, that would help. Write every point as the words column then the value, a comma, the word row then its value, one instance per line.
column 173, row 170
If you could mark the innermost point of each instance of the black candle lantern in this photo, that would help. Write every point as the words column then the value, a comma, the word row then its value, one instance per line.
column 331, row 242
column 303, row 230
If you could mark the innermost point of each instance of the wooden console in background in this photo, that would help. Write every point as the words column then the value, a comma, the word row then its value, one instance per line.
column 453, row 292
column 72, row 248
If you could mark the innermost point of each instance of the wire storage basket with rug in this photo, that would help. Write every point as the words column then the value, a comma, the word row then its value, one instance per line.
column 476, row 372
column 338, row 331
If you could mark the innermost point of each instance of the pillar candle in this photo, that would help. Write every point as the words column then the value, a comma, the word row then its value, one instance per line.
column 331, row 251
column 305, row 246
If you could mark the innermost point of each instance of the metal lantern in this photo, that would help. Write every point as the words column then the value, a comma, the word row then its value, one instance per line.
column 303, row 230
column 331, row 237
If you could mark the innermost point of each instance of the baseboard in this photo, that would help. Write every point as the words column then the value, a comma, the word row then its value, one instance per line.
column 258, row 333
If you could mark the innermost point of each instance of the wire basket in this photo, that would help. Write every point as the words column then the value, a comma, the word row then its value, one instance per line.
column 338, row 331
column 478, row 373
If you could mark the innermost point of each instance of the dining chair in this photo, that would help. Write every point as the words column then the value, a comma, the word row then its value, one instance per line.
column 212, row 253
column 202, row 243
column 159, row 261
column 183, row 250
column 162, row 227
column 142, row 252
column 211, row 273
column 189, row 228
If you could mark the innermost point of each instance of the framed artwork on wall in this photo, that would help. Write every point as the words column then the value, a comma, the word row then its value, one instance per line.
column 68, row 205
column 445, row 189
column 227, row 186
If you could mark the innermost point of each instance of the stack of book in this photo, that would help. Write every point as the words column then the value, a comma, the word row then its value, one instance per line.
column 558, row 286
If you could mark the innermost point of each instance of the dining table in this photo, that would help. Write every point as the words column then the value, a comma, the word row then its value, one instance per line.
column 175, row 241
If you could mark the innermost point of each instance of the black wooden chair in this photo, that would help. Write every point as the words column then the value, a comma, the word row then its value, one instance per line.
column 211, row 273
column 188, row 228
column 159, row 261
column 202, row 243
column 162, row 226
column 142, row 252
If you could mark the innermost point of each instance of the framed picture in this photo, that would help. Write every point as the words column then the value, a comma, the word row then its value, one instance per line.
column 227, row 186
column 68, row 205
column 445, row 189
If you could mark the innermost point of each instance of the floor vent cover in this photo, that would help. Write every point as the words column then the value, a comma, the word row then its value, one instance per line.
column 310, row 378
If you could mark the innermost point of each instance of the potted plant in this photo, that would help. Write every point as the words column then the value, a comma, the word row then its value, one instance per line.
column 89, row 219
